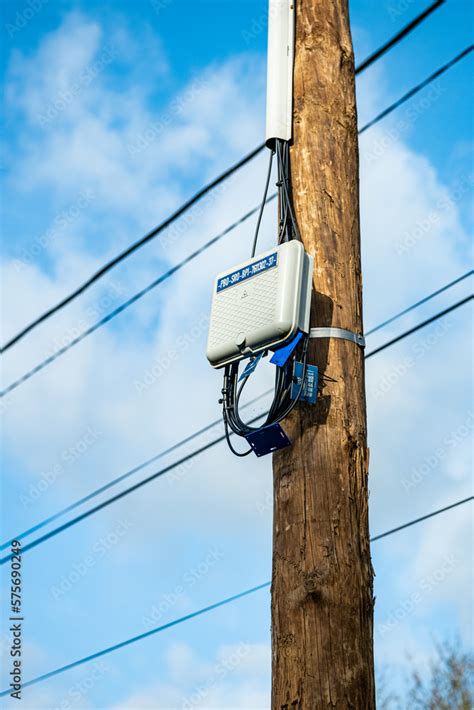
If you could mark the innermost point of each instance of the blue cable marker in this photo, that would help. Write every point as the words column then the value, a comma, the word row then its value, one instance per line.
column 281, row 356
column 268, row 439
column 251, row 366
column 310, row 387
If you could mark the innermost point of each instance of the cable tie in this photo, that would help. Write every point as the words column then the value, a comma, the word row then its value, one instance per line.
column 341, row 333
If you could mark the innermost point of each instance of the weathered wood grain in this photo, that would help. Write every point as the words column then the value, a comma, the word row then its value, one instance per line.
column 322, row 600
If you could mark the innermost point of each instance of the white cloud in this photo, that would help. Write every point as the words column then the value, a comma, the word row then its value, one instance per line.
column 94, row 385
column 233, row 679
column 37, row 81
column 398, row 189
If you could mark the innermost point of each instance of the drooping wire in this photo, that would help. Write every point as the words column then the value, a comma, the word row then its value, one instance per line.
column 241, row 454
column 192, row 454
column 201, row 431
column 211, row 607
column 421, row 519
column 415, row 328
column 417, row 88
column 132, row 248
column 283, row 403
column 262, row 206
column 124, row 476
column 281, row 406
column 124, row 306
column 419, row 303
column 404, row 32
column 157, row 230
column 288, row 227
column 144, row 635
column 119, row 496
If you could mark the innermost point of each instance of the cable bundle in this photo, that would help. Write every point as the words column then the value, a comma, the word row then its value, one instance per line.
column 288, row 227
column 282, row 403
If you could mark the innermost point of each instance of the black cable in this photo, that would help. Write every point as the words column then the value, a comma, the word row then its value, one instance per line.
column 118, row 496
column 419, row 326
column 122, row 644
column 206, row 609
column 286, row 198
column 282, row 206
column 191, row 455
column 133, row 247
column 208, row 244
column 241, row 454
column 187, row 439
column 115, row 481
column 154, row 232
column 399, row 36
column 129, row 302
column 420, row 519
column 282, row 210
column 417, row 88
column 423, row 300
column 262, row 206
column 283, row 403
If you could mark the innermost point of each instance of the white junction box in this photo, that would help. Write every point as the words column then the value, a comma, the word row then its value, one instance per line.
column 260, row 303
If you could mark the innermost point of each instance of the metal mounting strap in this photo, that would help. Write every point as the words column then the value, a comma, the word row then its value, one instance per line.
column 338, row 333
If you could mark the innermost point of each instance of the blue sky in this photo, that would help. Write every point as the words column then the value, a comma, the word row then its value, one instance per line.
column 115, row 113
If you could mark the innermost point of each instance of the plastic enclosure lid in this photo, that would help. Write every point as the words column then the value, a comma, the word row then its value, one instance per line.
column 259, row 303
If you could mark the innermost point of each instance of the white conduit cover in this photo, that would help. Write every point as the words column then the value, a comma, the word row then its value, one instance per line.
column 281, row 49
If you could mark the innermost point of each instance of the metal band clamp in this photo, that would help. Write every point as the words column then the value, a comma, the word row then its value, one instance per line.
column 338, row 333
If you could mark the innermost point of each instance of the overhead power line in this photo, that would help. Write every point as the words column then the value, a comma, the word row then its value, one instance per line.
column 156, row 282
column 185, row 459
column 207, row 188
column 129, row 302
column 122, row 494
column 421, row 519
column 139, row 467
column 124, row 476
column 116, row 646
column 404, row 32
column 419, row 326
column 133, row 247
column 211, row 607
column 418, row 88
column 422, row 301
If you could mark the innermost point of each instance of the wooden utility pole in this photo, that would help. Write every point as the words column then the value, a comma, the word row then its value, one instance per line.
column 322, row 602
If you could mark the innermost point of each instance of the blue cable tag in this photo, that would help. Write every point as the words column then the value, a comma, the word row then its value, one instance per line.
column 310, row 387
column 281, row 356
column 268, row 439
column 251, row 366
